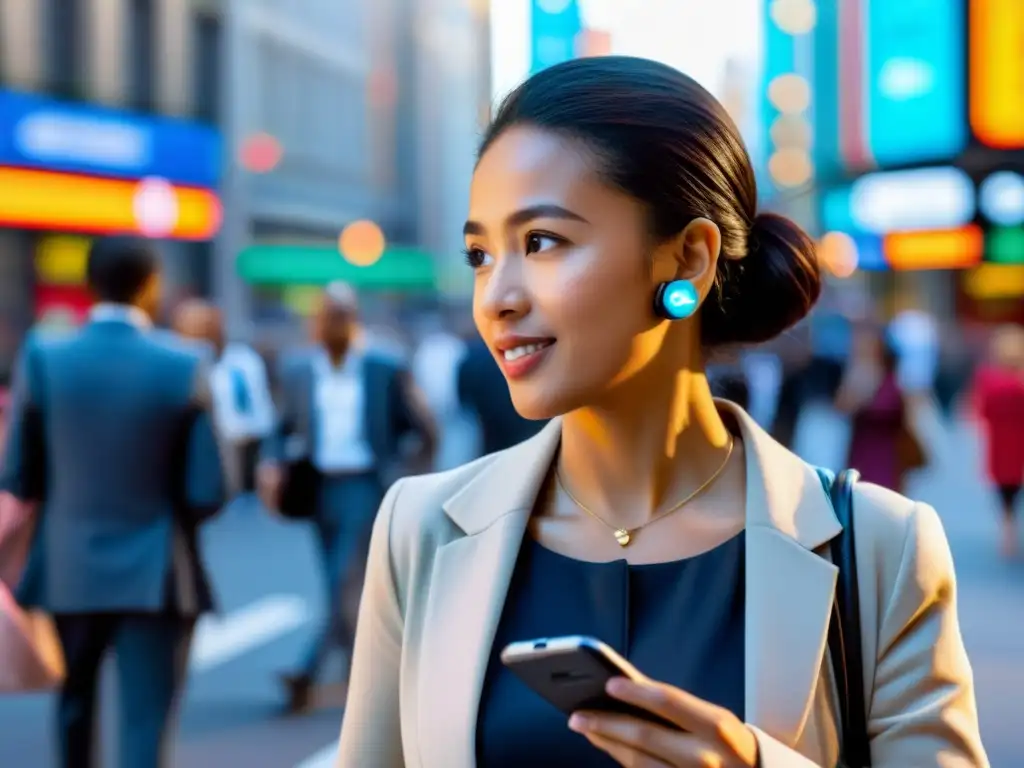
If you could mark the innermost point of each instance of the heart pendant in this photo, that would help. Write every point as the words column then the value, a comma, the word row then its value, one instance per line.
column 622, row 536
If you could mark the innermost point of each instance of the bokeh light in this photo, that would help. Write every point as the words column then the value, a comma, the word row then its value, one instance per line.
column 362, row 243
column 260, row 153
column 837, row 252
column 790, row 131
column 795, row 17
column 790, row 94
column 790, row 167
column 155, row 206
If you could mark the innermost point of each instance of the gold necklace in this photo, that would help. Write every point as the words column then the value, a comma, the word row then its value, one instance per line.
column 625, row 535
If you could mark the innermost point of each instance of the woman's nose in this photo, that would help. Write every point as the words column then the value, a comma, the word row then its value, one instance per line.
column 504, row 294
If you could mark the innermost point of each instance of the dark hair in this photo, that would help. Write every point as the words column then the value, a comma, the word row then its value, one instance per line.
column 118, row 268
column 664, row 140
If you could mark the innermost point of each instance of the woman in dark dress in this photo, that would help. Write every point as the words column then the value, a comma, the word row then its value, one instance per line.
column 883, row 446
column 614, row 237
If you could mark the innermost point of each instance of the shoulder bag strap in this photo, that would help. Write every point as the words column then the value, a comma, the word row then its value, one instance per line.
column 844, row 633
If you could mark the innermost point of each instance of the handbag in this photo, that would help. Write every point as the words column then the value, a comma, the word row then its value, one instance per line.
column 844, row 631
column 31, row 655
column 300, row 490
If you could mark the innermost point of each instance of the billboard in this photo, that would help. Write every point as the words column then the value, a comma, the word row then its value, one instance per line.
column 37, row 132
column 997, row 72
column 32, row 199
column 554, row 27
column 914, row 61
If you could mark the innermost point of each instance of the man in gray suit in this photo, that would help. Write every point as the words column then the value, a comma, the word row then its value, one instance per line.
column 110, row 434
column 344, row 411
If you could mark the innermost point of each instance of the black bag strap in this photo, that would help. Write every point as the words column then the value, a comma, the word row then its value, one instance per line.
column 844, row 632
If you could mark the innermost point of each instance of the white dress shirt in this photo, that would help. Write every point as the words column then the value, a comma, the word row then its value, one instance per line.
column 124, row 313
column 249, row 414
column 340, row 410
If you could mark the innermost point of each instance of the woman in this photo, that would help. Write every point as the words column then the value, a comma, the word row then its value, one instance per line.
column 664, row 522
column 883, row 447
column 999, row 406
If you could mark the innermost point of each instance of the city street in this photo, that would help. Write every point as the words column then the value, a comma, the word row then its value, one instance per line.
column 265, row 574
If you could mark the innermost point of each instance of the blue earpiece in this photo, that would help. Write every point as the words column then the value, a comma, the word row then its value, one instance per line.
column 676, row 300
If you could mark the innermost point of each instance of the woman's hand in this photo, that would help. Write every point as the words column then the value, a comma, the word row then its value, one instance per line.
column 710, row 735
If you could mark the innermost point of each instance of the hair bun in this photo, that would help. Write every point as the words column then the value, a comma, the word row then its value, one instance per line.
column 766, row 292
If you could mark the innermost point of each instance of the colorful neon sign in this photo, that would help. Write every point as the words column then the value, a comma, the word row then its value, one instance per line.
column 997, row 72
column 64, row 202
column 915, row 61
column 37, row 132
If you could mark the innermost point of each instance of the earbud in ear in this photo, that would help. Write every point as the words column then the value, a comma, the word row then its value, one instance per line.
column 676, row 300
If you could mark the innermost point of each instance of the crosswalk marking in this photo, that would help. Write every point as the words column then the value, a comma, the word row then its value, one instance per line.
column 219, row 639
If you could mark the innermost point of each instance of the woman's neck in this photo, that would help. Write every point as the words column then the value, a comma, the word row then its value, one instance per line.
column 649, row 447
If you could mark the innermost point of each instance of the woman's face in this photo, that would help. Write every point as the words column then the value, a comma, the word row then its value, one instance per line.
column 564, row 274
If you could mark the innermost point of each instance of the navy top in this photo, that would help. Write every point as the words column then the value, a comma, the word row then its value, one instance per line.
column 680, row 622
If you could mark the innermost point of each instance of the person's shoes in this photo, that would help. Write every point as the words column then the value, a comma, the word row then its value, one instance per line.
column 299, row 692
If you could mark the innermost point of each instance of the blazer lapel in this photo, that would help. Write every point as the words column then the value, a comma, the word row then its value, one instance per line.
column 470, row 580
column 789, row 586
column 789, row 589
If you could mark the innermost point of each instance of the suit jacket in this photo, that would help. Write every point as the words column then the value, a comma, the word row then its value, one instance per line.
column 110, row 433
column 388, row 414
column 444, row 548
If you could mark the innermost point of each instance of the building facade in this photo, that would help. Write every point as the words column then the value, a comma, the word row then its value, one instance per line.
column 373, row 108
column 104, row 131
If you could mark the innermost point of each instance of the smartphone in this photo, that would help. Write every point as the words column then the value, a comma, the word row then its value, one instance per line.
column 572, row 672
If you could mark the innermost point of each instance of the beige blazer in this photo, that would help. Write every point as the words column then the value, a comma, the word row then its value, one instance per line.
column 443, row 551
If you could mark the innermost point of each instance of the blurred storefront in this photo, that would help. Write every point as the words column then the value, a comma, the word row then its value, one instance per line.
column 69, row 172
column 910, row 121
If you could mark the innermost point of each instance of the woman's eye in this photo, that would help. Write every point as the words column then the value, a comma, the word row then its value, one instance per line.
column 476, row 258
column 536, row 243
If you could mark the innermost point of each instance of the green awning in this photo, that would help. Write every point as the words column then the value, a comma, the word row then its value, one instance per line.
column 1005, row 245
column 399, row 269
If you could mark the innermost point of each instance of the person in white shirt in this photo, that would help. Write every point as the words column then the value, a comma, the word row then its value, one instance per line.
column 435, row 366
column 243, row 407
column 915, row 335
column 346, row 409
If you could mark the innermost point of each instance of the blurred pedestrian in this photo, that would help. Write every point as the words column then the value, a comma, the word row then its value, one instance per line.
column 243, row 407
column 434, row 367
column 914, row 336
column 124, row 472
column 998, row 405
column 883, row 445
column 345, row 411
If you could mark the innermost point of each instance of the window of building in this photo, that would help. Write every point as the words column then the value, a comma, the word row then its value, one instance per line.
column 207, row 67
column 65, row 42
column 141, row 51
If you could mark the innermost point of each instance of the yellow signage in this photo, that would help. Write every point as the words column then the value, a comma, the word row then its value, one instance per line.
column 939, row 249
column 997, row 72
column 995, row 281
column 66, row 202
column 60, row 260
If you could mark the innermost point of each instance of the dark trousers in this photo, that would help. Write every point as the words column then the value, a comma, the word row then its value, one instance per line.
column 152, row 664
column 343, row 521
column 250, row 458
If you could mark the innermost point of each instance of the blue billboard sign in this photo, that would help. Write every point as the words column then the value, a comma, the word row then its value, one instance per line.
column 554, row 28
column 916, row 80
column 36, row 132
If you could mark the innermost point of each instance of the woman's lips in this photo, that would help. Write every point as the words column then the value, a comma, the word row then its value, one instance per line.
column 520, row 361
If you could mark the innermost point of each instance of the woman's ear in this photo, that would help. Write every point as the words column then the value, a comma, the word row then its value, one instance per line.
column 691, row 255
